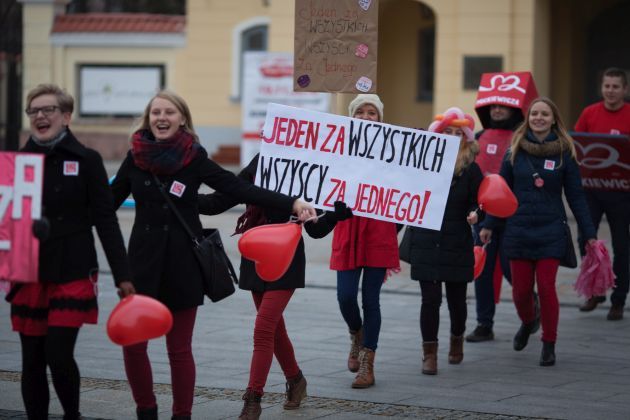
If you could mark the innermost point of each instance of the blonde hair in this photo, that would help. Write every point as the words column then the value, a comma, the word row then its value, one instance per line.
column 558, row 127
column 466, row 154
column 64, row 99
column 180, row 104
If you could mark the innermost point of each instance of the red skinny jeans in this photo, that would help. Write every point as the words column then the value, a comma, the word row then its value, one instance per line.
column 270, row 337
column 178, row 345
column 543, row 272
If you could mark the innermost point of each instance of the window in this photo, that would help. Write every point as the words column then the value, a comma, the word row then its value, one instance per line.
column 426, row 63
column 474, row 67
column 251, row 35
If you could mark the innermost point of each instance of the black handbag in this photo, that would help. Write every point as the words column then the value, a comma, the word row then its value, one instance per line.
column 404, row 249
column 217, row 271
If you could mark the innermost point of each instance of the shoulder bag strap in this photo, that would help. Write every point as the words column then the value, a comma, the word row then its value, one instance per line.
column 179, row 216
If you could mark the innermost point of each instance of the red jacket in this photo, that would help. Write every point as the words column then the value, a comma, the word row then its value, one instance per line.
column 493, row 143
column 364, row 242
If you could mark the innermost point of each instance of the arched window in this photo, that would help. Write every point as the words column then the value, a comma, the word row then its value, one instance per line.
column 250, row 35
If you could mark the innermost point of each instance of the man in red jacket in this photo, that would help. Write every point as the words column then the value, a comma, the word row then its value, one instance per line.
column 610, row 116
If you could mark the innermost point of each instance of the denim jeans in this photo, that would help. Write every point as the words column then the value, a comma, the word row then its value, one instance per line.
column 484, row 284
column 347, row 296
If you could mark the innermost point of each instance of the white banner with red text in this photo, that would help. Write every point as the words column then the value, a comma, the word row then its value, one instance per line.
column 381, row 171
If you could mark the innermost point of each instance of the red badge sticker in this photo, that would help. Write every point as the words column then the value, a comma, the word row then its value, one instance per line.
column 71, row 168
column 361, row 51
column 177, row 188
column 550, row 165
column 491, row 149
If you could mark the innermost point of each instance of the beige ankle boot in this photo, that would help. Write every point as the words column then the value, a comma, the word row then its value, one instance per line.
column 365, row 376
column 429, row 360
column 356, row 339
column 456, row 352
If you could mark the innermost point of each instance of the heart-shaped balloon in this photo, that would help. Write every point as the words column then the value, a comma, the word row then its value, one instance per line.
column 495, row 196
column 480, row 260
column 138, row 318
column 271, row 247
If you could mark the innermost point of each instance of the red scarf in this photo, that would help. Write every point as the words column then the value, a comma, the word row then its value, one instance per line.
column 164, row 157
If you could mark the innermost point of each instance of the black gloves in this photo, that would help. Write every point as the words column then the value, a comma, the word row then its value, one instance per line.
column 342, row 212
column 41, row 228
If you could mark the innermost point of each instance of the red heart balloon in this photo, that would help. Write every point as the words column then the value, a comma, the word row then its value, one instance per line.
column 138, row 318
column 271, row 247
column 480, row 260
column 495, row 196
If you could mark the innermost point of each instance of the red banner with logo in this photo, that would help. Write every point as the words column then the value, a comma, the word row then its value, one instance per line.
column 604, row 161
column 21, row 180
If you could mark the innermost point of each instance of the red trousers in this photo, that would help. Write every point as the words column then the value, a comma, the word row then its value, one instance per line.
column 178, row 345
column 270, row 337
column 543, row 272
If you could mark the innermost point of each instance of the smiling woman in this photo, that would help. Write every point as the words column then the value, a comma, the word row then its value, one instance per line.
column 76, row 197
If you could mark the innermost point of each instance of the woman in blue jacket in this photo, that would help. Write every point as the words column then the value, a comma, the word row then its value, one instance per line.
column 539, row 165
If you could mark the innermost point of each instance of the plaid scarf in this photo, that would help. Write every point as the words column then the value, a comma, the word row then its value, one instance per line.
column 163, row 157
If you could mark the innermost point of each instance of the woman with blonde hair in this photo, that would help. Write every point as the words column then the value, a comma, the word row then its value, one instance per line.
column 446, row 256
column 538, row 167
column 166, row 158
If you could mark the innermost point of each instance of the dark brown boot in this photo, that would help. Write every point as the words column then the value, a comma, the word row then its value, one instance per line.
column 296, row 392
column 429, row 360
column 356, row 339
column 251, row 406
column 456, row 352
column 615, row 313
column 592, row 303
column 365, row 376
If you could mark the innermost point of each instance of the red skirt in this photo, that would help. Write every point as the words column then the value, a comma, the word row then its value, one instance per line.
column 36, row 306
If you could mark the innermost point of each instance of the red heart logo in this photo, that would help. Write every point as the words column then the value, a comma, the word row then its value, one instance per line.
column 480, row 260
column 271, row 247
column 138, row 318
column 495, row 196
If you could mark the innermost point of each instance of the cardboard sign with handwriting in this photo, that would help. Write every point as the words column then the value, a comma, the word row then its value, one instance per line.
column 335, row 46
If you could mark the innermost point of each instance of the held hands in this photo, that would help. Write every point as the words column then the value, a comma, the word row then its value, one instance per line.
column 303, row 210
column 342, row 212
column 485, row 235
column 591, row 241
column 125, row 288
column 472, row 218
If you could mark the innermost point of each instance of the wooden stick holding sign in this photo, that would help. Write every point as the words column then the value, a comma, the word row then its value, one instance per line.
column 382, row 171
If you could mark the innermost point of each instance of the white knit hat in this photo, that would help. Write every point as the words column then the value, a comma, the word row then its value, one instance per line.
column 366, row 98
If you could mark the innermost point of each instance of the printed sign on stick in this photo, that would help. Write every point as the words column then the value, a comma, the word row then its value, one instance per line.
column 381, row 171
column 21, row 180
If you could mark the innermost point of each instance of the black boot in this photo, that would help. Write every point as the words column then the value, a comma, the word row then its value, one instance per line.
column 548, row 355
column 147, row 413
column 523, row 333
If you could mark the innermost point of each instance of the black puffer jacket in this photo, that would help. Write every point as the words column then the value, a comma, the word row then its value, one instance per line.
column 447, row 254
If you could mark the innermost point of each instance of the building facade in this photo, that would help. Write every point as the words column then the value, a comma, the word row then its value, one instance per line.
column 431, row 55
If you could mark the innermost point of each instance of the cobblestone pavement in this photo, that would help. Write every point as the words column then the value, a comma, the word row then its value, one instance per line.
column 338, row 406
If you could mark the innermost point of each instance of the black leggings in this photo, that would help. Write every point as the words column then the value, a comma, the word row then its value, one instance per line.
column 56, row 350
column 430, row 309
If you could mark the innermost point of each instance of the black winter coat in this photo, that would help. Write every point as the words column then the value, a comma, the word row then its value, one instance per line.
column 447, row 255
column 73, row 203
column 217, row 202
column 162, row 261
column 537, row 229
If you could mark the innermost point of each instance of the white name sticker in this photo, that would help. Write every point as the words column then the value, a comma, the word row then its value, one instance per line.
column 550, row 165
column 71, row 168
column 177, row 188
column 491, row 149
